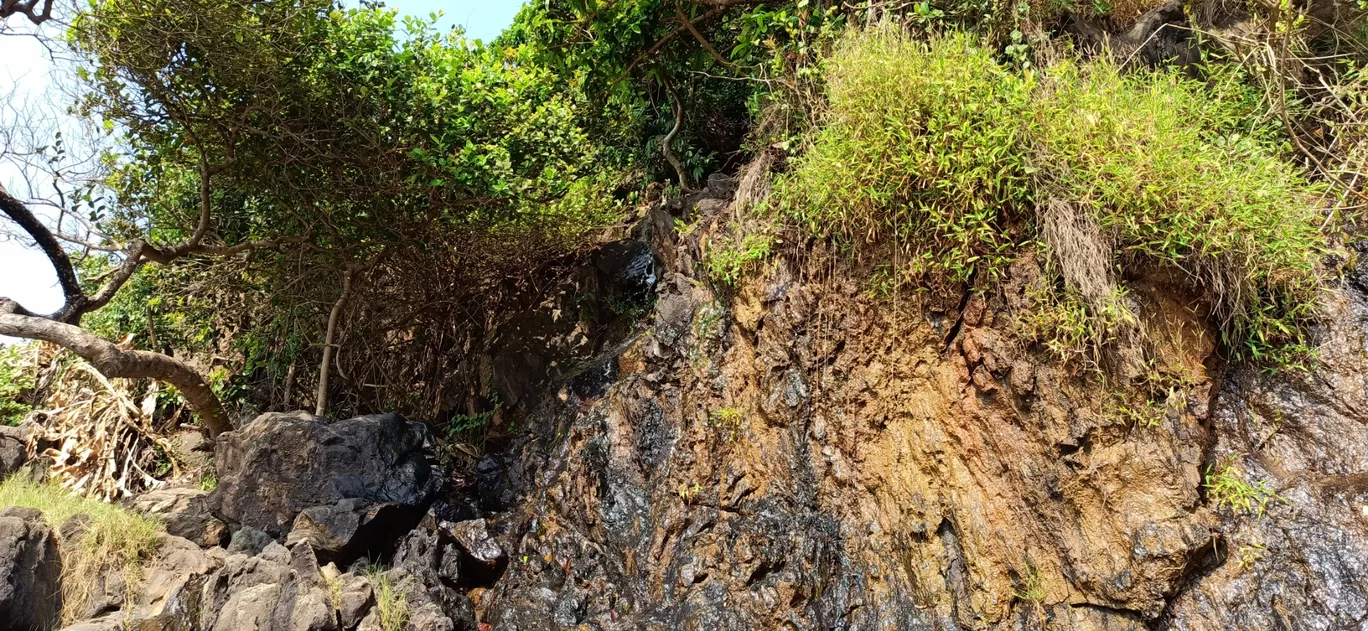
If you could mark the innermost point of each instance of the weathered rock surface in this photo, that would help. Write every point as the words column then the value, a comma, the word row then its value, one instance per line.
column 1304, row 563
column 185, row 512
column 13, row 449
column 30, row 572
column 280, row 464
column 909, row 465
column 793, row 454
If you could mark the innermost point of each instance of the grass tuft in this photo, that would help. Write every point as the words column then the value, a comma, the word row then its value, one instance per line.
column 961, row 163
column 391, row 605
column 1225, row 487
column 115, row 538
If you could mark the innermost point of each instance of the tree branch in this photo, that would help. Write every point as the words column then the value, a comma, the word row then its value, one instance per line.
column 11, row 7
column 678, row 106
column 702, row 41
column 329, row 346
column 665, row 40
column 113, row 361
column 66, row 274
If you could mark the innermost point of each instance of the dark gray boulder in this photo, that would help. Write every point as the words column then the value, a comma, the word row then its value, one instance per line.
column 30, row 572
column 276, row 466
column 249, row 541
column 434, row 604
column 13, row 449
column 352, row 529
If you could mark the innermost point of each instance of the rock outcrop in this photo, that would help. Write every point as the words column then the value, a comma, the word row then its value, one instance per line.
column 13, row 449
column 278, row 465
column 185, row 512
column 30, row 572
column 794, row 454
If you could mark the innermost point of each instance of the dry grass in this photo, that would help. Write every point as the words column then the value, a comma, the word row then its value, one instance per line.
column 102, row 430
column 114, row 538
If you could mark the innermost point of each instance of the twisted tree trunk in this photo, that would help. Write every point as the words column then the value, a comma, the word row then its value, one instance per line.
column 113, row 361
column 63, row 326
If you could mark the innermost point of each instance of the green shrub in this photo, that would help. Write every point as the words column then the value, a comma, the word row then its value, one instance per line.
column 958, row 163
column 729, row 258
column 18, row 373
column 1154, row 160
column 115, row 538
column 921, row 145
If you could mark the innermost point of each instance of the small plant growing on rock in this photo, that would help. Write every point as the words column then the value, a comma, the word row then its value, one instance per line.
column 733, row 255
column 1225, row 487
column 727, row 422
column 689, row 492
column 1248, row 555
column 391, row 605
column 1030, row 589
column 208, row 480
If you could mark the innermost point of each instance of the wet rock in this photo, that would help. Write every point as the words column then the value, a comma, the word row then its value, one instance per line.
column 891, row 471
column 185, row 512
column 13, row 449
column 630, row 266
column 1301, row 436
column 30, row 572
column 280, row 464
column 526, row 608
column 473, row 537
column 351, row 529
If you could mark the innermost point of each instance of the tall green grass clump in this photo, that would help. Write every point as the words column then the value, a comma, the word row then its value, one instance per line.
column 1165, row 172
column 957, row 162
column 115, row 538
column 922, row 145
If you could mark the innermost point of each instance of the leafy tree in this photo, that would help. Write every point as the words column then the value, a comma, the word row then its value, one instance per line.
column 304, row 137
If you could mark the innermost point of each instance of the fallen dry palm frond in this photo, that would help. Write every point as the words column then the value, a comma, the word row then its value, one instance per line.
column 99, row 441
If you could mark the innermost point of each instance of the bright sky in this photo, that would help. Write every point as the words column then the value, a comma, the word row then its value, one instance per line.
column 25, row 68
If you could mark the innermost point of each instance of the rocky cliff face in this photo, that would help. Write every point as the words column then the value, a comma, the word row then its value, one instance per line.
column 794, row 454
column 797, row 455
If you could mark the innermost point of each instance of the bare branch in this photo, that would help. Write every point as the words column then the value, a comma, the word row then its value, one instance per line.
column 329, row 346
column 66, row 274
column 29, row 9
